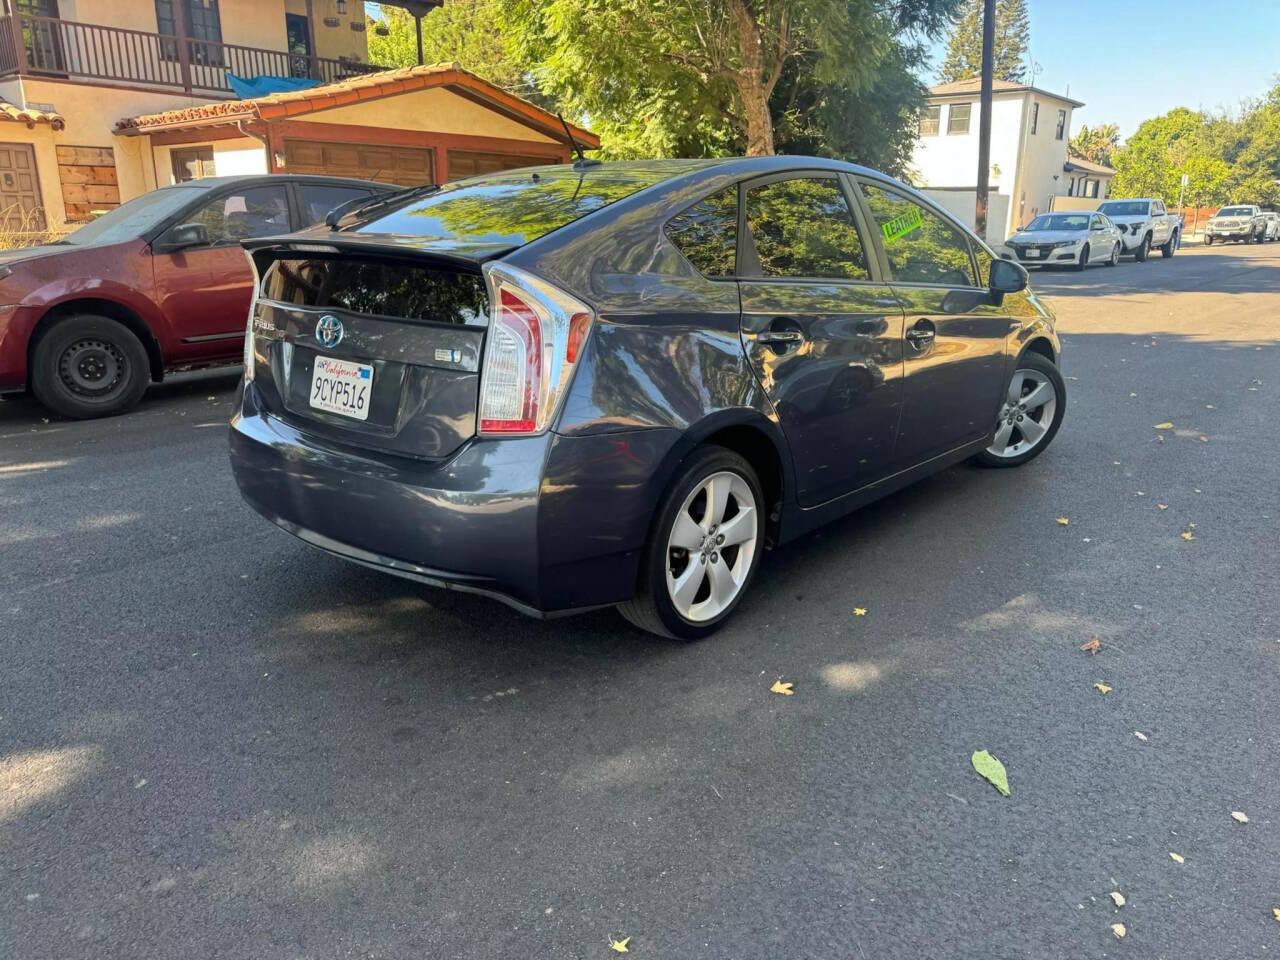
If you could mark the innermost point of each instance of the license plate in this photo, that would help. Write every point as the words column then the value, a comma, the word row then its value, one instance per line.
column 342, row 387
column 1033, row 252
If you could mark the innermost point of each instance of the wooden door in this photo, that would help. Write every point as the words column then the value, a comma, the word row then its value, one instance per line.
column 21, row 207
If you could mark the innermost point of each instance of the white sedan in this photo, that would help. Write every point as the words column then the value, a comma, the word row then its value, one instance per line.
column 1273, row 225
column 1068, row 239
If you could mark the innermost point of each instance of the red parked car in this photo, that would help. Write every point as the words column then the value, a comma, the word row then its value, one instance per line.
column 158, row 284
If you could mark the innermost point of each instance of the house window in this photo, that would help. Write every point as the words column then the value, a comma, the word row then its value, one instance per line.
column 1091, row 188
column 203, row 27
column 1071, row 186
column 1035, row 115
column 191, row 163
column 958, row 118
column 1061, row 131
column 929, row 120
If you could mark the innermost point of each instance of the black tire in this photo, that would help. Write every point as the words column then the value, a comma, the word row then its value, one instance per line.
column 1083, row 264
column 1144, row 249
column 1208, row 240
column 651, row 608
column 1170, row 245
column 87, row 366
column 1042, row 364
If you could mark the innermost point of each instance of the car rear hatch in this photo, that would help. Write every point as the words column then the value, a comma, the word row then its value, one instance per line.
column 362, row 344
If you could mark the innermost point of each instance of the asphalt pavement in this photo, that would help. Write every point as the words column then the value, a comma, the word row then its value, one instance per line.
column 216, row 741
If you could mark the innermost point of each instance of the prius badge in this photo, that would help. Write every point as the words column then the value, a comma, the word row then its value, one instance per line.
column 329, row 330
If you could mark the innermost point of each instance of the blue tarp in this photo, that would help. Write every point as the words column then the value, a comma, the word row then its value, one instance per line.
column 248, row 87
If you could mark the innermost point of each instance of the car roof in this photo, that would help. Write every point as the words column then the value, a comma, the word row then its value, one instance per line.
column 213, row 183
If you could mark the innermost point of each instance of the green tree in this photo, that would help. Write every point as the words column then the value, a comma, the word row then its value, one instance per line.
column 466, row 32
column 963, row 60
column 1096, row 144
column 707, row 77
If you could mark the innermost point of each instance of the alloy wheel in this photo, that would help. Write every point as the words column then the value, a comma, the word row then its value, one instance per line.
column 1025, row 415
column 711, row 546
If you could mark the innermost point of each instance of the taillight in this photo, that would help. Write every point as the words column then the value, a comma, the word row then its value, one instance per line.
column 536, row 337
column 249, row 355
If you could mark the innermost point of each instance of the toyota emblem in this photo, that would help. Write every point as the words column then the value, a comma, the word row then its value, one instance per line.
column 329, row 330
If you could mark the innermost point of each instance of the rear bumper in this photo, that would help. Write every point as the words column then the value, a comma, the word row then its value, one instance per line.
column 546, row 524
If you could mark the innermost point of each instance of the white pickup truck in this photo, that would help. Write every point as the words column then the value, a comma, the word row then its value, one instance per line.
column 1243, row 222
column 1144, row 224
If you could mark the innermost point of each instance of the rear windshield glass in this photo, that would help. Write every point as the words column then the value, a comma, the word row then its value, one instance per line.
column 1126, row 208
column 504, row 209
column 386, row 287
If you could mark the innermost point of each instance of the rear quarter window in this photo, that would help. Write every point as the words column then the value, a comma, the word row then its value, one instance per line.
column 707, row 233
column 387, row 288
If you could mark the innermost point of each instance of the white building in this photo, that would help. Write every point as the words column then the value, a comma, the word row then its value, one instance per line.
column 1029, row 132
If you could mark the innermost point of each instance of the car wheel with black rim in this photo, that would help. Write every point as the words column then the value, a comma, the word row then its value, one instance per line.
column 1083, row 262
column 1208, row 240
column 703, row 549
column 88, row 366
column 1170, row 246
column 1115, row 255
column 1144, row 249
column 1030, row 414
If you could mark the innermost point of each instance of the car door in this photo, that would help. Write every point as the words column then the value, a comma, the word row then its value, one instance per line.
column 1102, row 239
column 205, row 291
column 821, row 328
column 1159, row 223
column 955, row 334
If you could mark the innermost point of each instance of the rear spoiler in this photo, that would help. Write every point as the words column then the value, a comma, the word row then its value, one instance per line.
column 458, row 255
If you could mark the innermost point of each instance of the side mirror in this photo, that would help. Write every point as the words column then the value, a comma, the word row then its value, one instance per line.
column 1007, row 277
column 180, row 237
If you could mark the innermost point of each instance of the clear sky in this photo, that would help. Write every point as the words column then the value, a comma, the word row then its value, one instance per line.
column 1133, row 59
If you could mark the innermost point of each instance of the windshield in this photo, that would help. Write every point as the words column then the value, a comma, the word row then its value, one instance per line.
column 1060, row 221
column 506, row 209
column 1125, row 208
column 131, row 219
column 1236, row 212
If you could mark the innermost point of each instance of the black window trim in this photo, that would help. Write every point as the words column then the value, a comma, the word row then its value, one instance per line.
column 883, row 255
column 875, row 277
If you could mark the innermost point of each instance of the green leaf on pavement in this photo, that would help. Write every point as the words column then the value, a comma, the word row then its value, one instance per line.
column 992, row 770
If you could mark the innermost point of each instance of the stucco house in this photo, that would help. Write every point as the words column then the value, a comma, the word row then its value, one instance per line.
column 1029, row 132
column 101, row 100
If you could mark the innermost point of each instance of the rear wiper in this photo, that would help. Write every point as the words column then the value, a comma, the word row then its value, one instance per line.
column 358, row 205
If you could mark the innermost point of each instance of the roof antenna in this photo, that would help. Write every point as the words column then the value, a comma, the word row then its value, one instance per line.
column 583, row 160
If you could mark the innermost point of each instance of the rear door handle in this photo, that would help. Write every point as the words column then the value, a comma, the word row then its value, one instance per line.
column 779, row 336
column 921, row 335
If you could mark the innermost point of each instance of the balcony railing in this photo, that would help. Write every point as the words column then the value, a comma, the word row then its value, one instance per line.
column 49, row 47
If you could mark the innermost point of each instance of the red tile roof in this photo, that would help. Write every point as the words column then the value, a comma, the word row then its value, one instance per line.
column 9, row 111
column 370, row 86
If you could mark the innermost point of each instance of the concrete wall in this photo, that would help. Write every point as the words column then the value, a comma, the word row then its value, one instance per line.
column 433, row 110
column 1043, row 157
column 962, row 203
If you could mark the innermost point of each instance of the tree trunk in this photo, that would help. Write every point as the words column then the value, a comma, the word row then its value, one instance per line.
column 753, row 89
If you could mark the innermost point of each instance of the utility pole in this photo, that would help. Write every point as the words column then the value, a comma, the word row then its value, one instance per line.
column 984, row 119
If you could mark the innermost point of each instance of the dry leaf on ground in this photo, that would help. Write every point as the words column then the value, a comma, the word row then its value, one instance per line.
column 859, row 611
column 1093, row 646
column 1203, row 438
column 782, row 688
column 991, row 769
column 1188, row 535
column 1102, row 688
column 1163, row 506
column 1164, row 426
column 1177, row 857
column 1276, row 911
column 619, row 946
column 1117, row 898
column 1239, row 817
column 1119, row 930
column 1063, row 521
column 1140, row 735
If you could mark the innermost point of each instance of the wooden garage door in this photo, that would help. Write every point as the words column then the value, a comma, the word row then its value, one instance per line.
column 468, row 163
column 407, row 166
column 20, row 206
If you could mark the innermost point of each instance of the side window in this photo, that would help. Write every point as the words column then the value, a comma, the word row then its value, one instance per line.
column 241, row 214
column 958, row 118
column 1061, row 129
column 804, row 228
column 319, row 198
column 929, row 118
column 1157, row 208
column 1035, row 115
column 984, row 264
column 707, row 233
column 921, row 246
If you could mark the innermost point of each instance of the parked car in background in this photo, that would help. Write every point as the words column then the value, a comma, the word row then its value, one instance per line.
column 1060, row 239
column 1144, row 224
column 603, row 384
column 1243, row 222
column 160, row 283
column 1273, row 225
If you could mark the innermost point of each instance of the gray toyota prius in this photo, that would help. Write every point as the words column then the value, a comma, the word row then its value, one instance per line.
column 618, row 384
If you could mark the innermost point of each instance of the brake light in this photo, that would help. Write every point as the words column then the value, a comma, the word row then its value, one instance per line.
column 535, row 339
